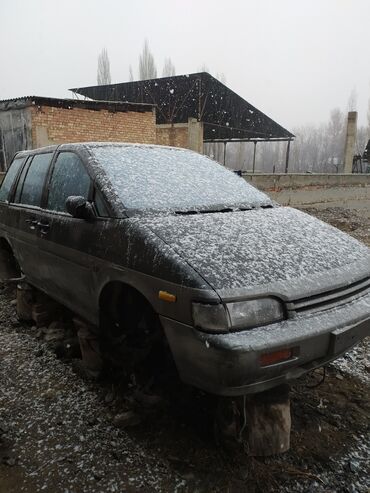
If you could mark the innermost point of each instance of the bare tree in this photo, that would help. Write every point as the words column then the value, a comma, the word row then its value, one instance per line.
column 130, row 74
column 147, row 68
column 352, row 100
column 221, row 77
column 361, row 139
column 168, row 68
column 335, row 135
column 203, row 68
column 103, row 74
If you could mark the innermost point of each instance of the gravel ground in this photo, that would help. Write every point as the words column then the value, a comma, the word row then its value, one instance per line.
column 353, row 222
column 61, row 433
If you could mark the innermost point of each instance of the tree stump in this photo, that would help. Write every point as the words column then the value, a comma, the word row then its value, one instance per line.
column 259, row 422
column 90, row 348
column 268, row 422
column 25, row 299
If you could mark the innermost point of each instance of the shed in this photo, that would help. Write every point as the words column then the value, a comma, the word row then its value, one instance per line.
column 33, row 121
column 193, row 109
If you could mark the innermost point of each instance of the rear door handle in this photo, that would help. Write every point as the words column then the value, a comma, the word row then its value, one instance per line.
column 32, row 222
column 43, row 227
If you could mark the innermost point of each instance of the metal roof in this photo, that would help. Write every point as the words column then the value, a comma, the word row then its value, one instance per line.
column 114, row 106
column 225, row 114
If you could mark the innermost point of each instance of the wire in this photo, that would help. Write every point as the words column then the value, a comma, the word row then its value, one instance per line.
column 244, row 419
column 320, row 381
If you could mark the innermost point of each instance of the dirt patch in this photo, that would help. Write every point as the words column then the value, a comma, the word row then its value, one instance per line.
column 353, row 222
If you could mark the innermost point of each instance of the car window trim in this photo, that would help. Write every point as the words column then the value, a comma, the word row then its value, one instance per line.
column 26, row 164
column 50, row 175
column 16, row 179
column 17, row 205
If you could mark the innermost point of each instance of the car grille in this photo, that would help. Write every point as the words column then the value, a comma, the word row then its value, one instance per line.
column 329, row 299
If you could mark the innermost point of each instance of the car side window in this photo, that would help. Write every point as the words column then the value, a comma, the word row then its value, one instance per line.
column 33, row 184
column 69, row 178
column 10, row 176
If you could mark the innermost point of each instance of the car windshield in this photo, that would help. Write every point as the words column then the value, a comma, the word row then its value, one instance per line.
column 160, row 179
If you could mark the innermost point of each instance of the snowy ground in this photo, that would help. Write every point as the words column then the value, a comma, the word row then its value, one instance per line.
column 59, row 433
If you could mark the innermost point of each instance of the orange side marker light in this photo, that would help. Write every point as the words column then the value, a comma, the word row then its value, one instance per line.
column 166, row 296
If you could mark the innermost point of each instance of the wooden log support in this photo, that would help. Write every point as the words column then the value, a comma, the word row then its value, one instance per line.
column 25, row 300
column 261, row 422
column 90, row 347
column 268, row 422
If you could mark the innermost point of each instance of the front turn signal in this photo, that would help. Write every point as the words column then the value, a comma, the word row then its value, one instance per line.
column 166, row 296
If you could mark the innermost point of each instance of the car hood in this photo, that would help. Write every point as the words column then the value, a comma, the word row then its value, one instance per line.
column 280, row 251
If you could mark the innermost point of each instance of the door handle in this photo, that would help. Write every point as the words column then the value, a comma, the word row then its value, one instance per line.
column 43, row 227
column 32, row 222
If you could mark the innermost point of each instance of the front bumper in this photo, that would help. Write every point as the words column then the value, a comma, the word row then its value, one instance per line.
column 229, row 364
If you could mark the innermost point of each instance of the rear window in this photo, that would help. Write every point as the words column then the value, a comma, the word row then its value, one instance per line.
column 9, row 179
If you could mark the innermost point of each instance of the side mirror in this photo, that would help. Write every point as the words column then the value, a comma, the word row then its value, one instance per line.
column 80, row 208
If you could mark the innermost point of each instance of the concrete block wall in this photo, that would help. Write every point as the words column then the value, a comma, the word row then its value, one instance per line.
column 318, row 190
column 277, row 181
column 53, row 125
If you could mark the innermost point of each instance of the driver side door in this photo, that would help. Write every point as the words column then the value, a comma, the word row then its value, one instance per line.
column 66, row 240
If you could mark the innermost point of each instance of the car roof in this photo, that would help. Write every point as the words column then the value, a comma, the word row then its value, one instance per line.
column 90, row 145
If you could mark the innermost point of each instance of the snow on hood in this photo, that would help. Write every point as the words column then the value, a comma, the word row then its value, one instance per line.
column 252, row 248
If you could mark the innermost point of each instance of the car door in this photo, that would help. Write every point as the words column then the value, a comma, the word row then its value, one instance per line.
column 25, row 208
column 66, row 241
column 8, row 219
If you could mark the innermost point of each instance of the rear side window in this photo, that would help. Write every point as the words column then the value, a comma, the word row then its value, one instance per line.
column 31, row 193
column 9, row 178
column 69, row 178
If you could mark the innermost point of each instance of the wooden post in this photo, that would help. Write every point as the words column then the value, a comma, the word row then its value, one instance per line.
column 261, row 422
column 90, row 347
column 25, row 299
column 254, row 156
column 268, row 422
column 287, row 157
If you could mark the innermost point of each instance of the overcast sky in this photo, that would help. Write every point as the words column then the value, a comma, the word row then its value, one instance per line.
column 293, row 59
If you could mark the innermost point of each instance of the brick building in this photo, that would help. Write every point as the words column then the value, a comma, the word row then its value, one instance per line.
column 31, row 122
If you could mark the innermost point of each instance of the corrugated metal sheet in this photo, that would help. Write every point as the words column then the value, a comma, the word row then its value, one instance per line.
column 225, row 114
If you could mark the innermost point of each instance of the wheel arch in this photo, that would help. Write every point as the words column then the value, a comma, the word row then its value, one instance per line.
column 9, row 266
column 115, row 290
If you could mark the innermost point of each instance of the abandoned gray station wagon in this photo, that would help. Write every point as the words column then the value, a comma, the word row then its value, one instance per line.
column 134, row 238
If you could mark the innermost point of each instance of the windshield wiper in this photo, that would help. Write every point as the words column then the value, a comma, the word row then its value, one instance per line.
column 204, row 211
column 226, row 209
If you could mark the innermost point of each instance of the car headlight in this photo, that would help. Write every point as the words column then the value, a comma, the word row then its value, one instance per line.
column 253, row 313
column 237, row 315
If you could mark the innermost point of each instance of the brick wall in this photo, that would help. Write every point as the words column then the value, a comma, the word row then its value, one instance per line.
column 52, row 125
column 173, row 135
